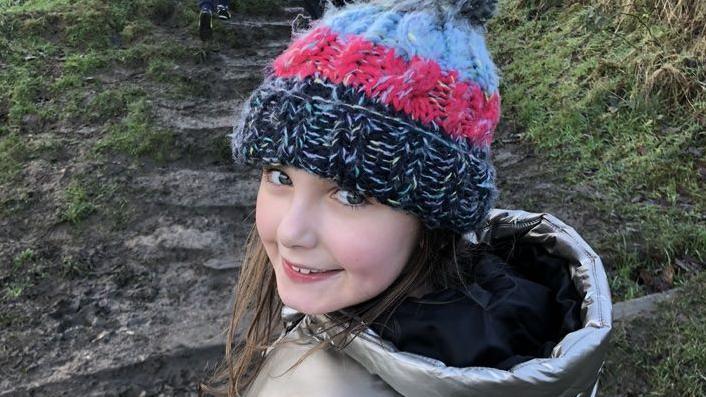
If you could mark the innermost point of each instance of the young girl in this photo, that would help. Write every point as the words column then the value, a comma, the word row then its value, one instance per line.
column 376, row 266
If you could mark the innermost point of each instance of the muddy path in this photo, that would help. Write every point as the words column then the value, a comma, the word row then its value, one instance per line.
column 146, row 313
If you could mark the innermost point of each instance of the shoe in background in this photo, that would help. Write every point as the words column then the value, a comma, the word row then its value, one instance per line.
column 222, row 12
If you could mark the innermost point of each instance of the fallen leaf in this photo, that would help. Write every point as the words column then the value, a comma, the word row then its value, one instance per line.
column 689, row 265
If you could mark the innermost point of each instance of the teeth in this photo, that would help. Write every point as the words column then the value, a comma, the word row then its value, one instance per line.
column 302, row 271
column 305, row 271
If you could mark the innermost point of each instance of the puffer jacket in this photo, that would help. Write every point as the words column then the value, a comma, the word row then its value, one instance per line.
column 371, row 366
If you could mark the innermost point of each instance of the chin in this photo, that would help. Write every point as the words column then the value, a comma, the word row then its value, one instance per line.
column 306, row 308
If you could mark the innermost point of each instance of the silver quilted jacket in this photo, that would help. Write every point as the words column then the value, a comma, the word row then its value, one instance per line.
column 370, row 366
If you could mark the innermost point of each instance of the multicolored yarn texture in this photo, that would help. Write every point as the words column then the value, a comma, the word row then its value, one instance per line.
column 392, row 102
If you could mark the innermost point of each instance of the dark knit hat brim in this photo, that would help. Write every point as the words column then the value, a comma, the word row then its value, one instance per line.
column 337, row 133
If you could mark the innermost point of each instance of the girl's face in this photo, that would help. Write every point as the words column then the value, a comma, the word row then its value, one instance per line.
column 330, row 248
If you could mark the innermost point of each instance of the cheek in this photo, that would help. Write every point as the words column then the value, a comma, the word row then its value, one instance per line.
column 378, row 258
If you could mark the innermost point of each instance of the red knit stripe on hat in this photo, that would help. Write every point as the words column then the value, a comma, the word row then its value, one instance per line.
column 418, row 87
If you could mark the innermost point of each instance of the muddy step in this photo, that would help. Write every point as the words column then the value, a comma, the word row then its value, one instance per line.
column 265, row 49
column 177, row 374
column 234, row 79
column 251, row 60
column 216, row 188
column 184, row 309
column 249, row 66
column 215, row 242
column 228, row 75
column 215, row 81
column 248, row 32
column 197, row 115
column 200, row 129
column 202, row 215
column 227, row 85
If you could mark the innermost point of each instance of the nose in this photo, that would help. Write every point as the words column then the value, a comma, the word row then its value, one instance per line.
column 297, row 228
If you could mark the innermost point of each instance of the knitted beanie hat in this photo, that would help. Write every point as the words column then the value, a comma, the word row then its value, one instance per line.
column 391, row 99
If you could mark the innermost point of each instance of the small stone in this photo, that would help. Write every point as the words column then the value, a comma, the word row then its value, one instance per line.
column 101, row 336
column 642, row 306
column 222, row 263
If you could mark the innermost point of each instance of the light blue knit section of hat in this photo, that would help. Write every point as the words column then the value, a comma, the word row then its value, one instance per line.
column 454, row 45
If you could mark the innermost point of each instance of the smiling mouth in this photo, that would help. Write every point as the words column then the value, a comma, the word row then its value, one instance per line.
column 307, row 270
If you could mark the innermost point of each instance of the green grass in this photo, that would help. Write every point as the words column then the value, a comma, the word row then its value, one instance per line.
column 663, row 354
column 84, row 64
column 24, row 273
column 587, row 89
column 54, row 49
column 78, row 203
column 18, row 201
column 89, row 195
column 16, row 150
column 53, row 59
column 23, row 259
column 72, row 267
column 161, row 69
column 13, row 152
column 136, row 136
column 54, row 53
column 83, row 41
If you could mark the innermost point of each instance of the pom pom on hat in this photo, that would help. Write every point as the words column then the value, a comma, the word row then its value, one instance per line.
column 477, row 11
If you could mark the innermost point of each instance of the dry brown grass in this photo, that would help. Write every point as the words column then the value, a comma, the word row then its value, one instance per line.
column 672, row 67
column 669, row 81
column 687, row 16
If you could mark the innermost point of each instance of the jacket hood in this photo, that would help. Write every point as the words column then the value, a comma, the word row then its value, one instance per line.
column 574, row 364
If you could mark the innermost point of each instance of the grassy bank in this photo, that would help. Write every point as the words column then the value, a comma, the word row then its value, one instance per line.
column 613, row 94
column 55, row 57
column 662, row 355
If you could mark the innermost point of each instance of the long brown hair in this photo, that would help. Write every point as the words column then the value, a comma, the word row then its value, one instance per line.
column 433, row 265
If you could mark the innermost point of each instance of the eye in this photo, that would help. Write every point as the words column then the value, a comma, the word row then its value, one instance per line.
column 350, row 198
column 277, row 177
